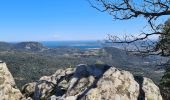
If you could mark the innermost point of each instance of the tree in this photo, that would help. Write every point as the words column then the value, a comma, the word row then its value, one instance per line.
column 164, row 39
column 151, row 10
column 164, row 45
column 127, row 9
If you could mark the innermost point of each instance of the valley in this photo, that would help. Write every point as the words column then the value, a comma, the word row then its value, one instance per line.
column 28, row 61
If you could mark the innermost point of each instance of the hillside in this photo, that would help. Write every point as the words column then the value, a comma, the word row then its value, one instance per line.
column 22, row 46
column 5, row 46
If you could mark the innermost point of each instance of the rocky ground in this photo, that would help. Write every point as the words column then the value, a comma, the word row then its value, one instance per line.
column 85, row 82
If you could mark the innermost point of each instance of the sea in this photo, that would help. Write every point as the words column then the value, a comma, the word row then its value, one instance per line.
column 73, row 44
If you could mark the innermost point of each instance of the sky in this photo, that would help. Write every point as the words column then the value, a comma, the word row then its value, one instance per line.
column 59, row 20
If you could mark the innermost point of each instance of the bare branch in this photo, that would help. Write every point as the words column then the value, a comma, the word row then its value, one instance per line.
column 127, row 9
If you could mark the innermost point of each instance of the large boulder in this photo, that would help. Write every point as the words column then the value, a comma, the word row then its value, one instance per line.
column 8, row 90
column 92, row 82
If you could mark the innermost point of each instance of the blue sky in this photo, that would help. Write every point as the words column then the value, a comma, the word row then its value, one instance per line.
column 55, row 20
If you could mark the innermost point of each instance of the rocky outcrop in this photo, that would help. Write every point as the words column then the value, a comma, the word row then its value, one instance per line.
column 85, row 82
column 92, row 82
column 8, row 90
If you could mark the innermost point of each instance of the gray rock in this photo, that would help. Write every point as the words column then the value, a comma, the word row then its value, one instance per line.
column 8, row 90
column 95, row 82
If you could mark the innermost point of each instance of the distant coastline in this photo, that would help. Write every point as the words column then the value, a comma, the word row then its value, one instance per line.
column 74, row 44
column 81, row 44
column 84, row 44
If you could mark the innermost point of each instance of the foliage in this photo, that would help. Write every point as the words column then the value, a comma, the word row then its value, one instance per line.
column 164, row 39
column 164, row 45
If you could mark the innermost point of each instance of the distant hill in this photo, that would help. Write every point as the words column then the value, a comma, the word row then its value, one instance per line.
column 124, row 57
column 5, row 46
column 24, row 46
column 33, row 46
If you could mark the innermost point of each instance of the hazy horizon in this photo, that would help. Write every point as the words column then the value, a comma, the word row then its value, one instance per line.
column 53, row 41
